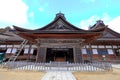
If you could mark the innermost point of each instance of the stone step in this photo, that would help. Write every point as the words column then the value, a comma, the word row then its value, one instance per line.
column 58, row 75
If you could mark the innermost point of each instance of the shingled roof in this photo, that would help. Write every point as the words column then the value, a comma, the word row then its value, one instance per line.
column 7, row 34
column 59, row 25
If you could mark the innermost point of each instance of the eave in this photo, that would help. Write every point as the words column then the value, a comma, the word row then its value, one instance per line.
column 22, row 30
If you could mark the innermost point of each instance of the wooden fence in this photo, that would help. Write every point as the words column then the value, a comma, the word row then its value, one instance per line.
column 58, row 66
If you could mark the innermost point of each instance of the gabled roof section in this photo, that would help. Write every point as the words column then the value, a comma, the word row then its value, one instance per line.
column 9, row 35
column 109, row 33
column 99, row 24
column 19, row 29
column 60, row 24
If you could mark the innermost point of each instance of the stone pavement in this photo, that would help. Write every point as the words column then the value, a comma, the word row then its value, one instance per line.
column 58, row 75
column 116, row 65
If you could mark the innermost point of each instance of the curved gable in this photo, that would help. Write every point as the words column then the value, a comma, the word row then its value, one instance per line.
column 109, row 33
column 60, row 24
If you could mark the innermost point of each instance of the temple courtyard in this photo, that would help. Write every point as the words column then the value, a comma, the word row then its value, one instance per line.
column 6, row 74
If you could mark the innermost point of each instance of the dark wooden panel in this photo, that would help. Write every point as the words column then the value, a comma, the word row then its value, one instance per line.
column 41, row 54
column 78, row 55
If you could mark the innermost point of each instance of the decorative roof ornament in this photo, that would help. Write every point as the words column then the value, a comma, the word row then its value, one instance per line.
column 99, row 24
column 99, row 21
column 60, row 15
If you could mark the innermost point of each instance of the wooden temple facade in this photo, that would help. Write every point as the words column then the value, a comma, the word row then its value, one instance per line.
column 61, row 41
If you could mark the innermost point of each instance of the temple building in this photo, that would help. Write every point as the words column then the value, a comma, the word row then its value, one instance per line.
column 61, row 41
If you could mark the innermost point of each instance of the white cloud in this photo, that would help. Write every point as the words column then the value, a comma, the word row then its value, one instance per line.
column 115, row 24
column 84, row 24
column 106, row 18
column 13, row 12
column 31, row 14
column 41, row 9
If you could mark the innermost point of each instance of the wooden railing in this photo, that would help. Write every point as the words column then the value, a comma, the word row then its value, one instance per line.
column 58, row 66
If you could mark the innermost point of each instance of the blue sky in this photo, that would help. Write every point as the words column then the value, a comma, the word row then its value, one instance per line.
column 32, row 14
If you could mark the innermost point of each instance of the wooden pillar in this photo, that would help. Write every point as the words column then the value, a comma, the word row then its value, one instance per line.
column 91, row 53
column 41, row 54
column 77, row 55
column 29, row 50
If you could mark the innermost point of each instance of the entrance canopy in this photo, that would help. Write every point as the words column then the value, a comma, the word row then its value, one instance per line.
column 60, row 28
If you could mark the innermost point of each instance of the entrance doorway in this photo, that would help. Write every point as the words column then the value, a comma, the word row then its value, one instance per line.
column 59, row 54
